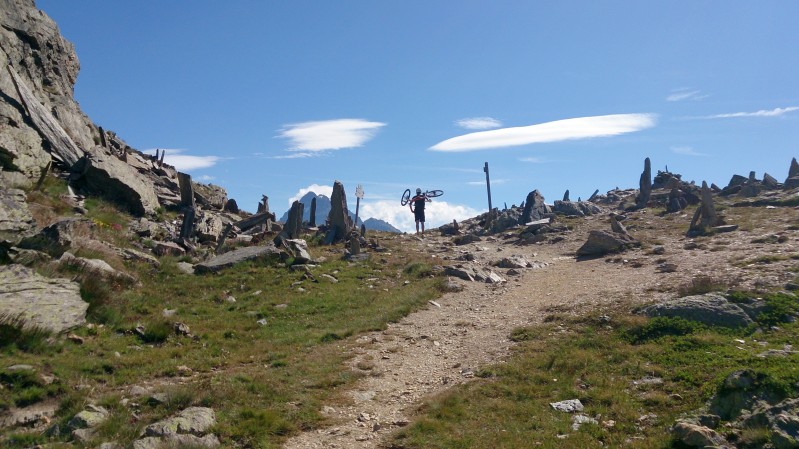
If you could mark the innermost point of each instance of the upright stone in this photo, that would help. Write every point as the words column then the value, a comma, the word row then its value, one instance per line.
column 186, row 190
column 792, row 181
column 339, row 221
column 534, row 208
column 705, row 216
column 293, row 225
column 794, row 170
column 363, row 230
column 566, row 195
column 594, row 195
column 312, row 219
column 645, row 185
column 617, row 227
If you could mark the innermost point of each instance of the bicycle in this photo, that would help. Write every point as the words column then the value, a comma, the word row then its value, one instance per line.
column 406, row 196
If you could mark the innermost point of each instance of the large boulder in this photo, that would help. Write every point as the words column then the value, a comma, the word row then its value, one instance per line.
column 117, row 181
column 603, row 242
column 210, row 196
column 712, row 309
column 534, row 208
column 38, row 302
column 189, row 428
column 209, row 227
column 59, row 236
column 16, row 221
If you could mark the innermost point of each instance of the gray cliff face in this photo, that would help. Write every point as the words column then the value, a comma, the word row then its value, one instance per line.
column 34, row 49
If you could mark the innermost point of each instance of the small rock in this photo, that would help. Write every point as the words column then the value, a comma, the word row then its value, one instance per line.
column 569, row 406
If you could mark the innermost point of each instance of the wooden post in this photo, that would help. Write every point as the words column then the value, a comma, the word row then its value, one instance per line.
column 488, row 186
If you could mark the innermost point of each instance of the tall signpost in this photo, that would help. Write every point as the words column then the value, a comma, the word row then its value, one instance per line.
column 358, row 196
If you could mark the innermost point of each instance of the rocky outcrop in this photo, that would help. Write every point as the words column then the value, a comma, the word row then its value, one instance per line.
column 575, row 209
column 96, row 267
column 58, row 237
column 38, row 302
column 16, row 221
column 111, row 178
column 46, row 67
column 792, row 181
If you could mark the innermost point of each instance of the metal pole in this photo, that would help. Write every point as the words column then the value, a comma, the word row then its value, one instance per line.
column 488, row 186
column 357, row 206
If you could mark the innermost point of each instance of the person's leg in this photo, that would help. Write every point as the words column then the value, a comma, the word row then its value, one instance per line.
column 417, row 226
column 422, row 227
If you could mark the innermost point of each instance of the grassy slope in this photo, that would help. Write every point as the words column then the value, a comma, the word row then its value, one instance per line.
column 264, row 380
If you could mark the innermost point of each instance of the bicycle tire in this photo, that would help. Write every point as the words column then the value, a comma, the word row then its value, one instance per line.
column 433, row 193
column 406, row 197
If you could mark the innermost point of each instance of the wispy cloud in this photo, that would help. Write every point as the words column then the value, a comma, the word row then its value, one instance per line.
column 559, row 130
column 686, row 151
column 684, row 93
column 329, row 134
column 206, row 178
column 294, row 156
column 437, row 213
column 315, row 188
column 483, row 182
column 533, row 160
column 776, row 112
column 184, row 162
column 478, row 123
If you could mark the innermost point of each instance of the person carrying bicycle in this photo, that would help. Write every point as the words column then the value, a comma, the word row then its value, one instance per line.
column 417, row 207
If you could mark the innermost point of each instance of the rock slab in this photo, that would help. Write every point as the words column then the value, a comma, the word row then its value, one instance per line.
column 44, row 303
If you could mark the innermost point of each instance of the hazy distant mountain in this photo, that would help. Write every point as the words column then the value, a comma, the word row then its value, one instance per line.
column 323, row 207
column 373, row 224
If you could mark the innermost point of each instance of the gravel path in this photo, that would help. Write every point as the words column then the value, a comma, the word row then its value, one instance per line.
column 445, row 344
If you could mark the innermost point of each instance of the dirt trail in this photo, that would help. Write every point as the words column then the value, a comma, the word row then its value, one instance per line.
column 445, row 344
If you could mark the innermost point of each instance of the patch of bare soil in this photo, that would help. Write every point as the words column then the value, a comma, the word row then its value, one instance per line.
column 448, row 342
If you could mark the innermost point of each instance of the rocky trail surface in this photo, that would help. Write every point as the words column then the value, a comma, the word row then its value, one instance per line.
column 445, row 344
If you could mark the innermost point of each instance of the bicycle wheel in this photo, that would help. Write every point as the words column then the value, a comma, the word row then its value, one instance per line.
column 406, row 197
column 434, row 193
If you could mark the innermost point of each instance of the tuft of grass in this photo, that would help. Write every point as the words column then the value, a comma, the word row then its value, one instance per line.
column 157, row 332
column 418, row 269
column 700, row 285
column 15, row 335
column 659, row 327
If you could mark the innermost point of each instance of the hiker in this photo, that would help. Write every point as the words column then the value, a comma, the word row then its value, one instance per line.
column 417, row 207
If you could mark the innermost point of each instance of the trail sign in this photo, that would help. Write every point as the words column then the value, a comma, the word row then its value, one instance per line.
column 358, row 196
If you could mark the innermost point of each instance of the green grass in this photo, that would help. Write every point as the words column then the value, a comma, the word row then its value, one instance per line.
column 602, row 367
column 265, row 381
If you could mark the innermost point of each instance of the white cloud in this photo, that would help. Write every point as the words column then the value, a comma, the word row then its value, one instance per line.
column 532, row 160
column 478, row 123
column 329, row 134
column 293, row 156
column 315, row 188
column 483, row 182
column 184, row 162
column 559, row 130
column 776, row 112
column 685, row 94
column 687, row 151
column 437, row 213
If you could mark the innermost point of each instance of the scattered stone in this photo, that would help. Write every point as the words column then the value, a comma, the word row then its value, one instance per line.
column 96, row 267
column 693, row 435
column 298, row 249
column 167, row 249
column 568, row 406
column 579, row 419
column 466, row 239
column 91, row 417
column 513, row 262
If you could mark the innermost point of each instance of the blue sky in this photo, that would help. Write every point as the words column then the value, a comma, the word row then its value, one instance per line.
column 275, row 97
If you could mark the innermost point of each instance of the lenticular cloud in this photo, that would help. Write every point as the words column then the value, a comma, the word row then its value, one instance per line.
column 568, row 129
